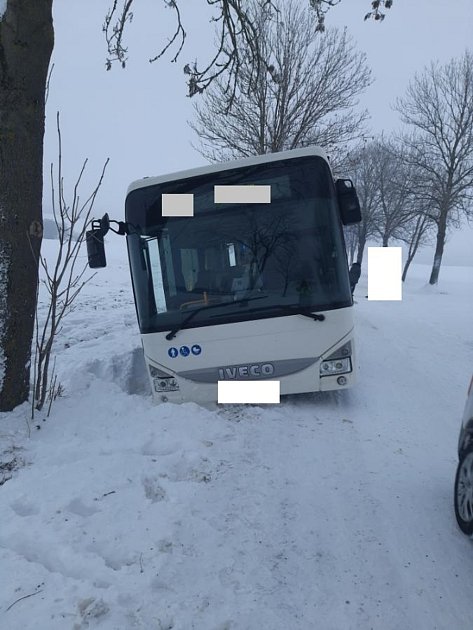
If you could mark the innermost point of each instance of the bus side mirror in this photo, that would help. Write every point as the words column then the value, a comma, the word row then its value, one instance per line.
column 348, row 203
column 95, row 249
column 95, row 244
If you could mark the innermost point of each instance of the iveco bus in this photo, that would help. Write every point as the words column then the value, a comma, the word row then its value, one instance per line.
column 240, row 272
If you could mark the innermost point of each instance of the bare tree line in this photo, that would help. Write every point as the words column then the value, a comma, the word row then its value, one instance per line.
column 392, row 207
column 417, row 185
column 413, row 186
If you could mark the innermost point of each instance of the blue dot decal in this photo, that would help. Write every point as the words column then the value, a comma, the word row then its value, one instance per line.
column 173, row 353
column 184, row 350
column 196, row 349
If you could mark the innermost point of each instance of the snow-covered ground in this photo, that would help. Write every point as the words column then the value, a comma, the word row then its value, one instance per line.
column 327, row 511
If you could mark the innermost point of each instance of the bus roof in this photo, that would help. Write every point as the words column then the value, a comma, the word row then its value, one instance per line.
column 223, row 166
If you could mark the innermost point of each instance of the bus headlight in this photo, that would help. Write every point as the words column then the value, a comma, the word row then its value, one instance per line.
column 335, row 366
column 342, row 352
column 162, row 381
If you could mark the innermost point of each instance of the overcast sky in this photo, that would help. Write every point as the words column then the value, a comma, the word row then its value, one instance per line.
column 138, row 116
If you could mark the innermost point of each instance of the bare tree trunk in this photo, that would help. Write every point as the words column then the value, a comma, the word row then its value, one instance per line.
column 406, row 267
column 441, row 233
column 414, row 244
column 410, row 258
column 26, row 43
column 352, row 252
column 361, row 248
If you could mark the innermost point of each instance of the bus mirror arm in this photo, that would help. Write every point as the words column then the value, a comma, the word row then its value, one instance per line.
column 94, row 239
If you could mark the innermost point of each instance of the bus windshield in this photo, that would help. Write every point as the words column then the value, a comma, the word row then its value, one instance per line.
column 289, row 253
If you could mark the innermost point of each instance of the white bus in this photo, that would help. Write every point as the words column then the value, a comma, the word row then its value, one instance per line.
column 246, row 288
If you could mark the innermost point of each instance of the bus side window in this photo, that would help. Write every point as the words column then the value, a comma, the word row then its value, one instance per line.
column 231, row 254
column 156, row 275
column 189, row 267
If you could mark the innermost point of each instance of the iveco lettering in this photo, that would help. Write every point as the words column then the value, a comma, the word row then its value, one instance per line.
column 246, row 371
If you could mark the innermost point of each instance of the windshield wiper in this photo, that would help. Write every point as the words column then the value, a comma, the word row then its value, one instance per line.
column 187, row 319
column 294, row 309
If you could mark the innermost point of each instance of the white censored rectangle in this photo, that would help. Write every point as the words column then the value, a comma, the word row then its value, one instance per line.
column 242, row 194
column 257, row 392
column 177, row 205
column 384, row 273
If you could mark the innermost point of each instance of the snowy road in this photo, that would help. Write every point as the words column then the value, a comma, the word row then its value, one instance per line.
column 327, row 511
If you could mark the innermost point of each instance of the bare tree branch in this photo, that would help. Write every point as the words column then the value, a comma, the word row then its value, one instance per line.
column 63, row 282
column 236, row 32
column 306, row 95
